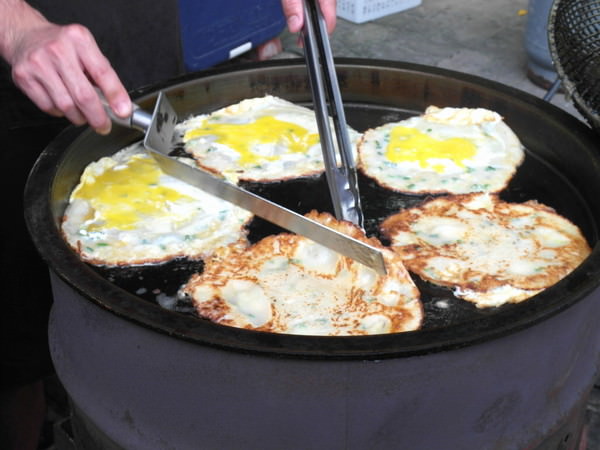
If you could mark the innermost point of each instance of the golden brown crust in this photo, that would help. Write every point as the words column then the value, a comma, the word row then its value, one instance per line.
column 538, row 246
column 231, row 263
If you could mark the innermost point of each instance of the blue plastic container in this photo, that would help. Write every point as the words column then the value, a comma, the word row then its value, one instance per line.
column 215, row 31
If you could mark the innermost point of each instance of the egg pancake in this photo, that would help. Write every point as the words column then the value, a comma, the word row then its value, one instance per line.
column 447, row 150
column 488, row 251
column 289, row 284
column 259, row 139
column 126, row 211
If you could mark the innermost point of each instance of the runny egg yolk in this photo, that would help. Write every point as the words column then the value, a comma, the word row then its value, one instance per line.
column 242, row 137
column 410, row 144
column 122, row 195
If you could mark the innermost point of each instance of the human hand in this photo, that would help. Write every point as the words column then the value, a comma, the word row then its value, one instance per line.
column 57, row 67
column 294, row 14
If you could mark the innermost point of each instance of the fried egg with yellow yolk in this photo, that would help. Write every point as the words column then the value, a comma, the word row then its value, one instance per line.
column 289, row 284
column 447, row 150
column 259, row 139
column 126, row 211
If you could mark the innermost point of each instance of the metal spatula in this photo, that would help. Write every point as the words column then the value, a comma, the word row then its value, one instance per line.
column 158, row 129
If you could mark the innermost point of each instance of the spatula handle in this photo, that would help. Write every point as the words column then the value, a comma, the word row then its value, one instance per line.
column 139, row 119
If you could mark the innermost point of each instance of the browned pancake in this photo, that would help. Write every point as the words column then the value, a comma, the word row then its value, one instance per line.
column 489, row 251
column 288, row 284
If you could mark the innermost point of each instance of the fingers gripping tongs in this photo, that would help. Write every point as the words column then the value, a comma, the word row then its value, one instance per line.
column 341, row 179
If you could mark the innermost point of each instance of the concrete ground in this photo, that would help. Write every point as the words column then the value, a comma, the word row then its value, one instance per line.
column 483, row 38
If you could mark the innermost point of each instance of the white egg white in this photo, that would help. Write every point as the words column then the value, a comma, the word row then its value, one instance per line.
column 126, row 211
column 252, row 142
column 445, row 150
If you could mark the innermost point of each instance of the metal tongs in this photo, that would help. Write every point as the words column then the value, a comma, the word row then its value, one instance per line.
column 342, row 180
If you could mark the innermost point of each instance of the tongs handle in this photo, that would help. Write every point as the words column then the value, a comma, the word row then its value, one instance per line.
column 342, row 181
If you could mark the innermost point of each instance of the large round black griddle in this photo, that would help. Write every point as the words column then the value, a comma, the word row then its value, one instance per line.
column 560, row 170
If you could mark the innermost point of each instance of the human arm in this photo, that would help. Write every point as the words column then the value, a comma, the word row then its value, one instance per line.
column 294, row 14
column 59, row 66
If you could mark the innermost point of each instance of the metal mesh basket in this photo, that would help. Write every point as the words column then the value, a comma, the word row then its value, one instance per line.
column 574, row 41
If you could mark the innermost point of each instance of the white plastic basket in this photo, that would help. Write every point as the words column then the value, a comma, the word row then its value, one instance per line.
column 359, row 11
